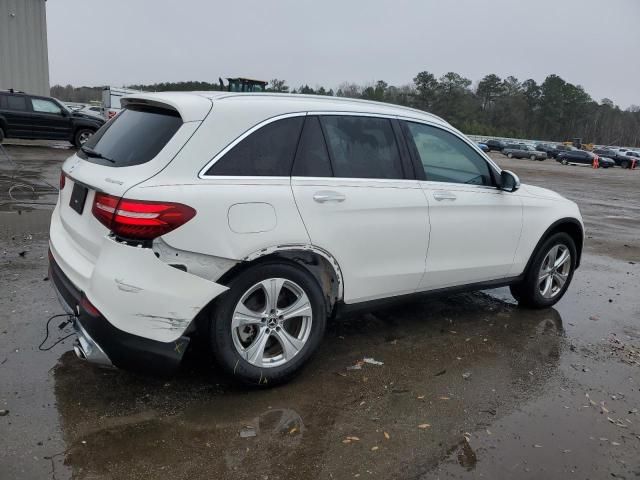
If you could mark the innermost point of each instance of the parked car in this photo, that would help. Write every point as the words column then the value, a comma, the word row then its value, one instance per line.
column 495, row 145
column 483, row 147
column 621, row 157
column 546, row 148
column 523, row 151
column 43, row 118
column 560, row 148
column 152, row 241
column 92, row 110
column 584, row 157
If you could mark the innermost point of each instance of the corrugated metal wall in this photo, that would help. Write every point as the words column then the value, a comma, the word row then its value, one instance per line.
column 24, row 59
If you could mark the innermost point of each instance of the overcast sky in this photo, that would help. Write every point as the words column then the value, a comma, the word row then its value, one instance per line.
column 593, row 43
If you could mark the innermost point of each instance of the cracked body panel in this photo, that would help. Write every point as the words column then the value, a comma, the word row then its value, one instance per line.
column 170, row 297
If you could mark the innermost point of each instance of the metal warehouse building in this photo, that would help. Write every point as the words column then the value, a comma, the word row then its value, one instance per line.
column 24, row 59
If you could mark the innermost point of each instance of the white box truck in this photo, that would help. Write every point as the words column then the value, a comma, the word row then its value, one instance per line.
column 111, row 100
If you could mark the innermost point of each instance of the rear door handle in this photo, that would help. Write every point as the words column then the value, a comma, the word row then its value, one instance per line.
column 328, row 196
column 443, row 195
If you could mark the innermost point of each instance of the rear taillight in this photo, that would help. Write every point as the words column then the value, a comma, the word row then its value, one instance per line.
column 140, row 219
column 62, row 180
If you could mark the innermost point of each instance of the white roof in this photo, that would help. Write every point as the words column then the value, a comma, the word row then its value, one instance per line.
column 194, row 106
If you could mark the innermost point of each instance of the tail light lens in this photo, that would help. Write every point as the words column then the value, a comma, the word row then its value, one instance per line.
column 63, row 178
column 139, row 219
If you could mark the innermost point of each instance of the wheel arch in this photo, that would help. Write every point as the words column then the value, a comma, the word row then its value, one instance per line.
column 568, row 225
column 320, row 263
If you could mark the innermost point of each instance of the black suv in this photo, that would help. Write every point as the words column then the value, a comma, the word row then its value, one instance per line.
column 43, row 118
column 497, row 145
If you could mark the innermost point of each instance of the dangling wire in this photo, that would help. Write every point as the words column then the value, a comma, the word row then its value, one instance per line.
column 69, row 319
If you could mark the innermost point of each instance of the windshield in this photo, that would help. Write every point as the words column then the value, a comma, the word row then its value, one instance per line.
column 134, row 137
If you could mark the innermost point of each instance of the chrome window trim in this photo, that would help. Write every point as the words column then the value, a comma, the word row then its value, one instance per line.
column 202, row 174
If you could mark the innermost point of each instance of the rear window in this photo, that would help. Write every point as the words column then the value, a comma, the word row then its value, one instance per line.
column 134, row 137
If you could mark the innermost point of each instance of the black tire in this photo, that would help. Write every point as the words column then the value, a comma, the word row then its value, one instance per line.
column 1, row 135
column 222, row 342
column 81, row 136
column 527, row 292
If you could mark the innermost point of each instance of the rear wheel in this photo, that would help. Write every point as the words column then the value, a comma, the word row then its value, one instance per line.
column 81, row 136
column 510, row 155
column 532, row 157
column 549, row 274
column 564, row 162
column 269, row 323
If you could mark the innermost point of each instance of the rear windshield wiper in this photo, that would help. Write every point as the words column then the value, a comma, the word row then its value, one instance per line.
column 90, row 152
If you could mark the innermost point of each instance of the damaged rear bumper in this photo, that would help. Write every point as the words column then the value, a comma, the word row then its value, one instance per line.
column 102, row 343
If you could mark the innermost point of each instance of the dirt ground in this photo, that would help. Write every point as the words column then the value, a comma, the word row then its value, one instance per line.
column 471, row 386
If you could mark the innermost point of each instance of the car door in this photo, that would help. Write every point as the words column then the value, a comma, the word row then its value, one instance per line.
column 16, row 114
column 359, row 202
column 475, row 226
column 49, row 120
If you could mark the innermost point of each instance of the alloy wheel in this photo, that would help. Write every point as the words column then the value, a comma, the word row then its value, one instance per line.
column 83, row 137
column 271, row 322
column 554, row 271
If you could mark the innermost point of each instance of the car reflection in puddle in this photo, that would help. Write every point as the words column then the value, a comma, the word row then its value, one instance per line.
column 450, row 366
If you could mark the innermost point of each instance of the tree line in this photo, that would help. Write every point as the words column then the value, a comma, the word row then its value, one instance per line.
column 553, row 110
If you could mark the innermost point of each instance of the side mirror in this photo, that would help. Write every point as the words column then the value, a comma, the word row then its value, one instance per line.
column 509, row 181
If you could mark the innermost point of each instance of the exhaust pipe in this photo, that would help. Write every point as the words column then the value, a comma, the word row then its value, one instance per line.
column 87, row 349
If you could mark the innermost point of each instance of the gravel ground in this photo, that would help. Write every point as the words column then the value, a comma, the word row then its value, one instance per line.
column 471, row 386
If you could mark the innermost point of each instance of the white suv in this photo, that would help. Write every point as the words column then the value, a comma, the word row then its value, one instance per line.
column 252, row 218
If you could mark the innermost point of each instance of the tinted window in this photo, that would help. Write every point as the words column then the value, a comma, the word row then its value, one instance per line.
column 312, row 159
column 3, row 101
column 134, row 137
column 362, row 147
column 45, row 106
column 268, row 151
column 15, row 102
column 446, row 158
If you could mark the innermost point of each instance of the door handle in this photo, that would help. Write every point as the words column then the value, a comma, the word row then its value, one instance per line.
column 328, row 196
column 439, row 196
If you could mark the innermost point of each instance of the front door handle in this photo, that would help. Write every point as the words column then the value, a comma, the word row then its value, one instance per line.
column 442, row 195
column 328, row 196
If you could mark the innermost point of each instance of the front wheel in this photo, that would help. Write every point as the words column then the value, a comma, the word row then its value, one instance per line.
column 81, row 136
column 550, row 273
column 532, row 157
column 269, row 323
column 510, row 155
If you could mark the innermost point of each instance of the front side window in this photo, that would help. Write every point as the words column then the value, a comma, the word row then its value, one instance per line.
column 266, row 152
column 15, row 102
column 362, row 147
column 45, row 106
column 446, row 158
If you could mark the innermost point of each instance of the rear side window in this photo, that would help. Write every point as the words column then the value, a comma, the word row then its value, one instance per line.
column 134, row 137
column 267, row 152
column 15, row 102
column 312, row 159
column 362, row 147
column 446, row 158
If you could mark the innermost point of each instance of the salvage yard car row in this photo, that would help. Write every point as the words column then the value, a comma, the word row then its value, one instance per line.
column 600, row 157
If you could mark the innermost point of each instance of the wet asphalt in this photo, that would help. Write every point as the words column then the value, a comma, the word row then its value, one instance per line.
column 471, row 386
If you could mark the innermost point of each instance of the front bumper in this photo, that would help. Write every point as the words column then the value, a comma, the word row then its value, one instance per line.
column 102, row 343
